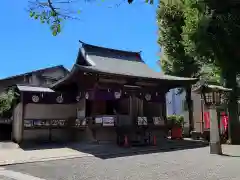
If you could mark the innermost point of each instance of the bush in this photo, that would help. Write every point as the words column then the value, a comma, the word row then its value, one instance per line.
column 175, row 120
column 7, row 101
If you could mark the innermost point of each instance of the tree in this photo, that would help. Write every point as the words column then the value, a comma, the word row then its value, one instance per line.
column 214, row 34
column 175, row 61
column 54, row 12
column 7, row 100
column 211, row 74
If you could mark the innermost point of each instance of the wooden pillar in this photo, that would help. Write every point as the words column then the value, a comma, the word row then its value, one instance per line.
column 130, row 108
column 134, row 107
column 140, row 107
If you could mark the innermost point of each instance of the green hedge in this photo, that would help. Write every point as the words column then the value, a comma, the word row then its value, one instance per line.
column 175, row 120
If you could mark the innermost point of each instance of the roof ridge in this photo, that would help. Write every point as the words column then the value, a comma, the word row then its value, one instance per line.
column 34, row 71
column 111, row 49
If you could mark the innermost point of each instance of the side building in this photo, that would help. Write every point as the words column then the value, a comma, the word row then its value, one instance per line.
column 42, row 77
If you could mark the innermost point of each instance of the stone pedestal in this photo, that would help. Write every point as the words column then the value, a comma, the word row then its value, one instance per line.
column 215, row 145
column 215, row 148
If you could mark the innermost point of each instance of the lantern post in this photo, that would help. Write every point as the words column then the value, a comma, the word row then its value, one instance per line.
column 214, row 97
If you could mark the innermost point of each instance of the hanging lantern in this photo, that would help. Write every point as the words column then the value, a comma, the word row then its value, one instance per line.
column 117, row 95
column 78, row 98
column 148, row 97
column 59, row 99
column 35, row 98
column 87, row 95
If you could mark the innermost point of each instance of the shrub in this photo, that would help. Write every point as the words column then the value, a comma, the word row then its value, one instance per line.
column 175, row 120
column 7, row 100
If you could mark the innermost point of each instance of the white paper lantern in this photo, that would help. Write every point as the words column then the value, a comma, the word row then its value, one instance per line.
column 148, row 97
column 59, row 99
column 35, row 98
column 86, row 95
column 78, row 98
column 117, row 95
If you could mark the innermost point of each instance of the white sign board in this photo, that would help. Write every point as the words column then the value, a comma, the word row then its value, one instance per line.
column 108, row 121
column 158, row 121
column 80, row 113
column 142, row 121
column 98, row 120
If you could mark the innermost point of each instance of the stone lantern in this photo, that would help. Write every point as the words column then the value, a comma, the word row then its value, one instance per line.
column 214, row 97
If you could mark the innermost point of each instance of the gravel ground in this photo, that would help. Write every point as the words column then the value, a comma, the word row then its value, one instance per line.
column 194, row 164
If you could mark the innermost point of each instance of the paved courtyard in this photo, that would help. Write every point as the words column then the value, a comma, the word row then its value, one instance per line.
column 191, row 164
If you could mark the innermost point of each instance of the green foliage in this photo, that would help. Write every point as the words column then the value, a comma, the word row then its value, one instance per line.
column 178, row 22
column 192, row 14
column 7, row 99
column 211, row 74
column 49, row 17
column 54, row 13
column 176, row 61
column 214, row 34
column 175, row 120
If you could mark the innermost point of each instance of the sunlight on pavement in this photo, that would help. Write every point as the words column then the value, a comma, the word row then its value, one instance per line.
column 12, row 175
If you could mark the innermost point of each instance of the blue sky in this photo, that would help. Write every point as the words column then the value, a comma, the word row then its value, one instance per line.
column 27, row 44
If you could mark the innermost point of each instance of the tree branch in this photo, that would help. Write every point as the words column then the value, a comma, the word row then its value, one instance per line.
column 51, row 7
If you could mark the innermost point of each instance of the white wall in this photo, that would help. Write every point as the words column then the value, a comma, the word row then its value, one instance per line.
column 175, row 105
column 50, row 111
column 174, row 102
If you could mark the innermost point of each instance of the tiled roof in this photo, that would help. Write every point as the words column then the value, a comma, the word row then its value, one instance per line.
column 117, row 62
column 121, row 63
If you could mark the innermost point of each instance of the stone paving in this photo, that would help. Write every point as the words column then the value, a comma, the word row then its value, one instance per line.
column 191, row 164
column 16, row 156
column 12, row 175
column 76, row 150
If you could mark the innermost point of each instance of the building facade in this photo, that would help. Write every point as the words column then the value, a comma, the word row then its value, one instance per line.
column 43, row 77
column 109, row 95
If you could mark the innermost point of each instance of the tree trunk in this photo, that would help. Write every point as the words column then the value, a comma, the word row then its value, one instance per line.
column 233, row 128
column 190, row 108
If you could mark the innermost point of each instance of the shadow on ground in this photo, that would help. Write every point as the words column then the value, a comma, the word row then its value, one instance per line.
column 229, row 155
column 106, row 151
